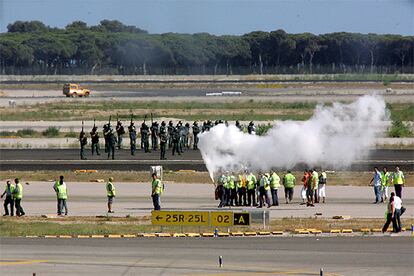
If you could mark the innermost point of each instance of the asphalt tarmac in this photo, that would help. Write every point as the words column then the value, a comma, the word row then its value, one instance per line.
column 199, row 256
column 68, row 159
column 133, row 199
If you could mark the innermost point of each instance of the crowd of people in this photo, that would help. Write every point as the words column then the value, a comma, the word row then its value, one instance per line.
column 247, row 189
column 154, row 137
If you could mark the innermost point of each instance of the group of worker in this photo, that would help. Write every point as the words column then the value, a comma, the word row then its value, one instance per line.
column 175, row 137
column 383, row 180
column 14, row 195
column 246, row 189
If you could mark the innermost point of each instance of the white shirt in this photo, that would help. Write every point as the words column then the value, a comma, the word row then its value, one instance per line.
column 397, row 202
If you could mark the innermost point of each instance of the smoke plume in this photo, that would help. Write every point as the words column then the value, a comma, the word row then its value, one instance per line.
column 334, row 137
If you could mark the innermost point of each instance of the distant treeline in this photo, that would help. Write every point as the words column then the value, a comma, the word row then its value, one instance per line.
column 114, row 48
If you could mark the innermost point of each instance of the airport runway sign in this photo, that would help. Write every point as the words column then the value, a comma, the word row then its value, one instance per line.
column 184, row 218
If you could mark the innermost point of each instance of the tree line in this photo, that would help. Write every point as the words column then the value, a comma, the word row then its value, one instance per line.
column 31, row 47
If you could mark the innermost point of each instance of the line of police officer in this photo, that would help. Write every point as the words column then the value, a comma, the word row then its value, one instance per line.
column 174, row 137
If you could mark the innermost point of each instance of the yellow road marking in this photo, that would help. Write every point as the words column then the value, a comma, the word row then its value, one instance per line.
column 4, row 262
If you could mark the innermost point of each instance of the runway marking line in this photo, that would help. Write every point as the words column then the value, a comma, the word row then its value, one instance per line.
column 277, row 272
column 5, row 262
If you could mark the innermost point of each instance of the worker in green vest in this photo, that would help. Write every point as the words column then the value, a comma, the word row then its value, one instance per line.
column 399, row 181
column 110, row 192
column 18, row 196
column 251, row 189
column 289, row 182
column 157, row 189
column 224, row 180
column 264, row 188
column 61, row 196
column 232, row 186
column 274, row 187
column 386, row 180
column 241, row 190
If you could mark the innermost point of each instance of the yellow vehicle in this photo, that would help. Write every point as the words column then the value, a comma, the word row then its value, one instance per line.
column 74, row 90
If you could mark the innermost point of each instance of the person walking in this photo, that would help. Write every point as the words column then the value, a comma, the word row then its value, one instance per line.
column 396, row 220
column 289, row 182
column 398, row 181
column 389, row 214
column 157, row 189
column 18, row 196
column 110, row 192
column 386, row 180
column 322, row 186
column 376, row 179
column 8, row 192
column 61, row 195
column 274, row 187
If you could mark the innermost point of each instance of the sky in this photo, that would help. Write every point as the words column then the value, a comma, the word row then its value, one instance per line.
column 222, row 16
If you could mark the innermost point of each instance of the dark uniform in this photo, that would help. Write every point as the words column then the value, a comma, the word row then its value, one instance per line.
column 120, row 131
column 8, row 192
column 175, row 141
column 251, row 129
column 170, row 129
column 95, row 141
column 106, row 128
column 186, row 134
column 196, row 131
column 144, row 136
column 238, row 125
column 163, row 140
column 154, row 135
column 132, row 138
column 83, row 140
column 111, row 143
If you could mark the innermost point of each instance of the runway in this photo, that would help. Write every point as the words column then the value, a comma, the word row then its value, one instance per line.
column 68, row 159
column 199, row 256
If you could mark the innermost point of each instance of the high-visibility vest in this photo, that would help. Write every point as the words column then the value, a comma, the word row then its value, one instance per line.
column 110, row 189
column 251, row 181
column 230, row 180
column 398, row 178
column 274, row 181
column 18, row 191
column 289, row 180
column 157, row 186
column 242, row 182
column 223, row 180
column 385, row 179
column 11, row 189
column 62, row 192
column 266, row 184
column 315, row 180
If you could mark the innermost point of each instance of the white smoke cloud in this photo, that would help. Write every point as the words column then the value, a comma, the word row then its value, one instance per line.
column 333, row 137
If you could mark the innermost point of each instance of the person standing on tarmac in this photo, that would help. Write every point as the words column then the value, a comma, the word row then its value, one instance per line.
column 8, row 191
column 315, row 184
column 289, row 182
column 18, row 196
column 95, row 141
column 120, row 131
column 399, row 181
column 303, row 192
column 111, row 144
column 220, row 192
column 251, row 189
column 232, row 187
column 61, row 195
column 132, row 138
column 83, row 140
column 322, row 186
column 274, row 187
column 196, row 131
column 157, row 189
column 377, row 184
column 110, row 192
column 163, row 141
column 176, row 141
column 264, row 188
column 386, row 180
